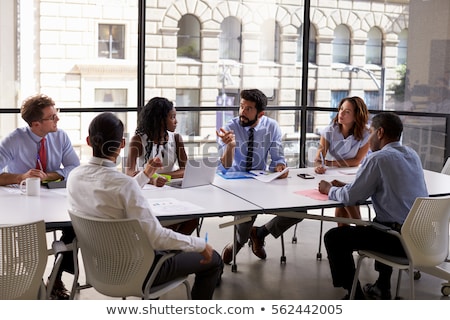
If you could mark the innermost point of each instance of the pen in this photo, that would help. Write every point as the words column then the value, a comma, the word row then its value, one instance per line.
column 322, row 159
column 39, row 162
column 206, row 237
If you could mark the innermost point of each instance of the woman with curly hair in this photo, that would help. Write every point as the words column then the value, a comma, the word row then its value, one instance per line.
column 155, row 138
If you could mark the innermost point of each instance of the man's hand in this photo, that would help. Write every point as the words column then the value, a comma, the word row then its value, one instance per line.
column 226, row 136
column 324, row 186
column 337, row 183
column 207, row 254
column 280, row 167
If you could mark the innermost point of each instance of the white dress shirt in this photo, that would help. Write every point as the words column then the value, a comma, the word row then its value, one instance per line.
column 97, row 189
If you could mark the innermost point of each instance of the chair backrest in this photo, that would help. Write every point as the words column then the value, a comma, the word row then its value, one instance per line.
column 116, row 253
column 23, row 252
column 426, row 231
column 446, row 168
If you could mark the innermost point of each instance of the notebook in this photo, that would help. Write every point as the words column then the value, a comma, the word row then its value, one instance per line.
column 198, row 172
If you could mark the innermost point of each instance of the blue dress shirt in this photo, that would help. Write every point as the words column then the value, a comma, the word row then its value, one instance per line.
column 393, row 177
column 18, row 152
column 266, row 141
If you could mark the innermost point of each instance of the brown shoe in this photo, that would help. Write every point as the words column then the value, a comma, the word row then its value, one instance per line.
column 227, row 253
column 59, row 291
column 257, row 245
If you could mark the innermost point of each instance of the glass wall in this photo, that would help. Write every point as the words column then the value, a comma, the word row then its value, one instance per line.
column 200, row 54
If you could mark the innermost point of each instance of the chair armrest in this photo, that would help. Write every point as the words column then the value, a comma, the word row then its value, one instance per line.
column 382, row 227
column 167, row 255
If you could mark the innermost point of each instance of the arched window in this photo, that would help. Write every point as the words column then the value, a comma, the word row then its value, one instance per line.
column 312, row 44
column 341, row 45
column 188, row 37
column 402, row 48
column 270, row 41
column 230, row 39
column 374, row 47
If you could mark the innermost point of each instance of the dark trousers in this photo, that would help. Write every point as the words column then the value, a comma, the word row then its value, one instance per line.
column 68, row 234
column 341, row 242
column 186, row 263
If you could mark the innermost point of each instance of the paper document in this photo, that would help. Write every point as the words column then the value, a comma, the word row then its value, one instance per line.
column 169, row 206
column 313, row 193
column 267, row 176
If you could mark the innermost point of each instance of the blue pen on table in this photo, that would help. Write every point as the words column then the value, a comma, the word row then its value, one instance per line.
column 206, row 237
column 39, row 162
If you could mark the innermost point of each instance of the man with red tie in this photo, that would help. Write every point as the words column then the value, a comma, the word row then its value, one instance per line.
column 40, row 150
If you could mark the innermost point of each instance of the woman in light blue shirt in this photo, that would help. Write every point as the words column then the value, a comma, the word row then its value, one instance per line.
column 344, row 143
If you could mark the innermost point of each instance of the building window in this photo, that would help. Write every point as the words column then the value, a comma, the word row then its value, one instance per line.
column 111, row 39
column 336, row 97
column 230, row 39
column 188, row 121
column 341, row 45
column 372, row 99
column 189, row 37
column 312, row 44
column 270, row 41
column 402, row 48
column 374, row 47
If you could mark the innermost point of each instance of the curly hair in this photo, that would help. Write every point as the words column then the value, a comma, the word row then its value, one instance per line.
column 32, row 107
column 361, row 116
column 256, row 96
column 152, row 119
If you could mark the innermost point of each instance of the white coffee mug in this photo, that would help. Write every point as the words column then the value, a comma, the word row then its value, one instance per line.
column 31, row 186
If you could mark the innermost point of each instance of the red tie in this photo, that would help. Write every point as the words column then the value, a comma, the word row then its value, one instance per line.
column 42, row 157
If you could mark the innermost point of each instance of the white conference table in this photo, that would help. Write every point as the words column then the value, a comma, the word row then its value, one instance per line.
column 283, row 194
column 52, row 204
column 222, row 198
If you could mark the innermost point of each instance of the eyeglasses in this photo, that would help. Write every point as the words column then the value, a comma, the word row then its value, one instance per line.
column 53, row 117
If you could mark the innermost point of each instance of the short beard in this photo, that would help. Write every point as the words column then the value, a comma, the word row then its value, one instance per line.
column 248, row 123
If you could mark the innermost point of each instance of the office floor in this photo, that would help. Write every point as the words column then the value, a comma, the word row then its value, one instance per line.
column 303, row 277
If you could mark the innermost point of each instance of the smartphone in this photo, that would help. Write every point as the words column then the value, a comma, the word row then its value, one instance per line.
column 305, row 176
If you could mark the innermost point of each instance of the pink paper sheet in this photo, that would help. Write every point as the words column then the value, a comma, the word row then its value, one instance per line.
column 313, row 193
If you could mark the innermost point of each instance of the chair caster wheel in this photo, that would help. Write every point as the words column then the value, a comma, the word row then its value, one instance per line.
column 234, row 268
column 282, row 260
column 294, row 240
column 417, row 275
column 319, row 256
column 445, row 290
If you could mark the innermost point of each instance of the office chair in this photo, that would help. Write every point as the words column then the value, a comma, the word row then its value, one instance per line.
column 117, row 257
column 425, row 239
column 24, row 258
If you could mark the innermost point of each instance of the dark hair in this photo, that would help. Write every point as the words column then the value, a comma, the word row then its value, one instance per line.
column 32, row 107
column 105, row 134
column 391, row 124
column 361, row 116
column 256, row 96
column 152, row 119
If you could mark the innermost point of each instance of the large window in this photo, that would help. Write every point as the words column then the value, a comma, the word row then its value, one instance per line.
column 84, row 55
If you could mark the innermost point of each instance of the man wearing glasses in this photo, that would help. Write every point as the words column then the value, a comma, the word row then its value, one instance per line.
column 40, row 150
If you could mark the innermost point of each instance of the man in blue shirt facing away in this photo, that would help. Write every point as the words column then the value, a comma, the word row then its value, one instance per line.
column 392, row 176
column 245, row 144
